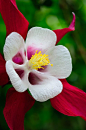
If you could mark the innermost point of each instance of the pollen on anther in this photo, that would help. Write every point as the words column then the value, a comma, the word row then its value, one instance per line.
column 38, row 60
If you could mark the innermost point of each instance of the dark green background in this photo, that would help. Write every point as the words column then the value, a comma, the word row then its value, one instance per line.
column 53, row 14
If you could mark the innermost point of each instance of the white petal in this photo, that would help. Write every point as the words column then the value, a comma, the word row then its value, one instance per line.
column 62, row 64
column 14, row 42
column 16, row 81
column 41, row 38
column 47, row 88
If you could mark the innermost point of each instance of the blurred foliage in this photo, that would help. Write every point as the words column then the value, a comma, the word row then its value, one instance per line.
column 53, row 14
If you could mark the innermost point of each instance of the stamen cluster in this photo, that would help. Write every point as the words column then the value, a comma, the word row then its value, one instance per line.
column 38, row 60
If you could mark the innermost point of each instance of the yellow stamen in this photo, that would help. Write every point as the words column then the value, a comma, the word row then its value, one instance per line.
column 38, row 60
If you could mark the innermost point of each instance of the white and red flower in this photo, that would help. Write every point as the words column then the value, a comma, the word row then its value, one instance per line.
column 32, row 62
column 37, row 65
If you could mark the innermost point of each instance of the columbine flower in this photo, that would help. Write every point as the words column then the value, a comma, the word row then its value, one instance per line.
column 38, row 66
column 39, row 62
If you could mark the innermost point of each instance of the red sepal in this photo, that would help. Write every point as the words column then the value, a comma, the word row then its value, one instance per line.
column 13, row 18
column 17, row 104
column 71, row 102
column 3, row 75
column 61, row 32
